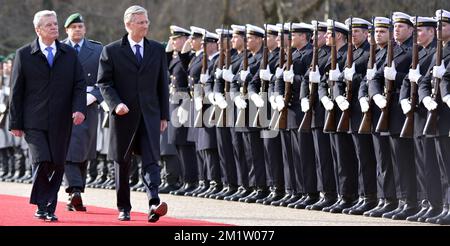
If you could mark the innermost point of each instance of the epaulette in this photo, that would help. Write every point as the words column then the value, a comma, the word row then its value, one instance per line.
column 95, row 42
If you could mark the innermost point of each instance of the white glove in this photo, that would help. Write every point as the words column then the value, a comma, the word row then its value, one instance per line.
column 244, row 74
column 304, row 103
column 257, row 99
column 288, row 76
column 327, row 103
column 186, row 47
column 265, row 74
column 349, row 72
column 429, row 103
column 279, row 100
column 211, row 99
column 273, row 104
column 342, row 103
column 438, row 71
column 314, row 77
column 182, row 115
column 333, row 75
column 414, row 74
column 220, row 100
column 279, row 72
column 406, row 106
column 446, row 100
column 240, row 103
column 104, row 106
column 390, row 72
column 380, row 101
column 227, row 74
column 218, row 73
column 204, row 77
column 198, row 103
column 364, row 103
column 90, row 99
column 169, row 46
column 370, row 74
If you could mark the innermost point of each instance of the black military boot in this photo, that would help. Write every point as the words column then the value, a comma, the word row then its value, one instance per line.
column 424, row 206
column 327, row 200
column 369, row 202
column 390, row 204
column 433, row 220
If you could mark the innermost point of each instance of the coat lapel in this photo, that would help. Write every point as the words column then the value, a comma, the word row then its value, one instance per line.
column 85, row 51
column 127, row 52
column 147, row 54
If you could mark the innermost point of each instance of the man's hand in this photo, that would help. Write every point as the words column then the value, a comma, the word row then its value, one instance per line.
column 17, row 133
column 163, row 126
column 78, row 118
column 122, row 109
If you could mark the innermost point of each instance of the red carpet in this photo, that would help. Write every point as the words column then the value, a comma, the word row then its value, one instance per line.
column 16, row 211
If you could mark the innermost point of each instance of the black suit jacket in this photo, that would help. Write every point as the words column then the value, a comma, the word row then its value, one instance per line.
column 143, row 88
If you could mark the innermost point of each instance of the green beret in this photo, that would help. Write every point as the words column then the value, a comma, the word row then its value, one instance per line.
column 74, row 18
column 2, row 58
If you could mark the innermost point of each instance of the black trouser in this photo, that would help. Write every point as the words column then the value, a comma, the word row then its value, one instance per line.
column 254, row 151
column 347, row 164
column 325, row 169
column 150, row 174
column 208, row 161
column 171, row 169
column 75, row 175
column 47, row 178
column 240, row 157
column 226, row 156
column 293, row 181
column 188, row 162
column 385, row 168
column 307, row 161
column 403, row 152
column 428, row 174
column 443, row 153
column 274, row 162
column 367, row 163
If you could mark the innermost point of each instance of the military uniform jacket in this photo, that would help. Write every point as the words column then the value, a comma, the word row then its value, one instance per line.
column 253, row 67
column 84, row 137
column 318, row 112
column 341, row 58
column 426, row 85
column 360, row 59
column 301, row 60
column 364, row 86
column 179, row 89
column 204, row 137
column 143, row 88
column 402, row 59
column 44, row 97
column 425, row 55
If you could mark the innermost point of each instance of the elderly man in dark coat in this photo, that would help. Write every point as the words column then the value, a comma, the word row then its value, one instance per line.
column 48, row 96
column 133, row 81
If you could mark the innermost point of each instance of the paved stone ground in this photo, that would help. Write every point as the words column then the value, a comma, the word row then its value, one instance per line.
column 234, row 213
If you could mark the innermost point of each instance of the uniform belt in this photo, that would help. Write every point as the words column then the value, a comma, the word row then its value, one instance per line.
column 89, row 88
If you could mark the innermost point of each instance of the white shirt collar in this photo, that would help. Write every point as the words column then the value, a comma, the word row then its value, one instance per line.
column 132, row 44
column 43, row 46
column 213, row 55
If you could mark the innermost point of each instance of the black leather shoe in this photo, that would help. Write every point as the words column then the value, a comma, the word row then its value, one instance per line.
column 124, row 216
column 388, row 215
column 368, row 204
column 229, row 192
column 408, row 210
column 242, row 198
column 343, row 205
column 444, row 220
column 378, row 207
column 430, row 213
column 51, row 217
column 241, row 192
column 260, row 193
column 328, row 208
column 283, row 200
column 309, row 200
column 75, row 202
column 168, row 188
column 359, row 203
column 434, row 219
column 425, row 205
column 157, row 211
column 40, row 214
column 389, row 205
column 326, row 201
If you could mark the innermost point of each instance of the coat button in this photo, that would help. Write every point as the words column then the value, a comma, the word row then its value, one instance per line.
column 89, row 75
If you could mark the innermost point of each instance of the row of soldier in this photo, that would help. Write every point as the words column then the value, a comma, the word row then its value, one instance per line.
column 313, row 115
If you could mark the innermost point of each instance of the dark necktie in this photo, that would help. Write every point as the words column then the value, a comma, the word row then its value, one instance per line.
column 77, row 48
column 138, row 54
